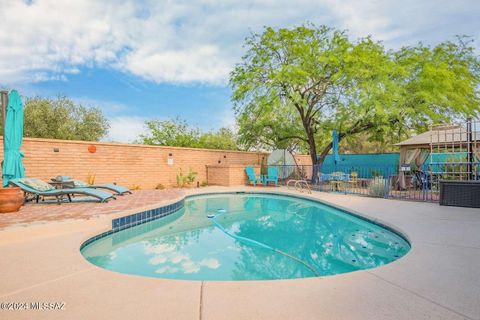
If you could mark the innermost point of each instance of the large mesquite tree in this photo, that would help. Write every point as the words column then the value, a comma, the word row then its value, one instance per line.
column 294, row 86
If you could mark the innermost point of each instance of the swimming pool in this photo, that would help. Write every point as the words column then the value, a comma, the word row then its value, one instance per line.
column 249, row 236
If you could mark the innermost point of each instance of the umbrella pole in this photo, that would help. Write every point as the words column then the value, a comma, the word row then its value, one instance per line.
column 4, row 102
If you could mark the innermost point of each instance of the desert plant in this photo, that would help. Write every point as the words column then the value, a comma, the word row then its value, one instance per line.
column 185, row 180
column 135, row 187
column 376, row 173
column 159, row 186
column 378, row 187
column 91, row 178
column 204, row 184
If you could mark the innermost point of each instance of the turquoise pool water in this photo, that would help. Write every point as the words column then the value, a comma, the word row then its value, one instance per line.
column 251, row 237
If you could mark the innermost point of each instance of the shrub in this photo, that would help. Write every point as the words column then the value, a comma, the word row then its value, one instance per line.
column 378, row 187
column 91, row 178
column 185, row 180
column 135, row 187
column 376, row 173
column 204, row 184
column 159, row 186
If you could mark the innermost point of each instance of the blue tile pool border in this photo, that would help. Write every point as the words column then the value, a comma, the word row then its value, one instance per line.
column 122, row 223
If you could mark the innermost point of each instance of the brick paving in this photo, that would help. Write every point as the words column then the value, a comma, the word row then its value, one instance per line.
column 32, row 213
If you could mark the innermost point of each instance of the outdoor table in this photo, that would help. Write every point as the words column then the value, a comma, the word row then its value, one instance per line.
column 62, row 184
column 65, row 184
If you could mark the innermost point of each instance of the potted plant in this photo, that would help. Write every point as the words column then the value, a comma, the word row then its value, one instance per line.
column 11, row 199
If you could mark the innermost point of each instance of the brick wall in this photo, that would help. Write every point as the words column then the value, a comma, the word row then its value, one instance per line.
column 130, row 164
column 228, row 175
column 125, row 164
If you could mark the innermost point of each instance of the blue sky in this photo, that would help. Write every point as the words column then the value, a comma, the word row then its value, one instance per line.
column 140, row 60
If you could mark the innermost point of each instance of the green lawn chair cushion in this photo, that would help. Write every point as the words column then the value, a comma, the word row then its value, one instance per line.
column 80, row 184
column 36, row 184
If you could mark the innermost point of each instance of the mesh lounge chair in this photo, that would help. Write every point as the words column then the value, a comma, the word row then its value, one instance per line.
column 102, row 196
column 252, row 176
column 118, row 190
column 272, row 176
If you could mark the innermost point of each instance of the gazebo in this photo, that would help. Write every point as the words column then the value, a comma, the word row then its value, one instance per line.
column 439, row 146
column 445, row 139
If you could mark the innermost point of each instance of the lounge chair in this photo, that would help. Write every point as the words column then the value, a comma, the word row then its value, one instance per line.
column 252, row 176
column 272, row 176
column 40, row 188
column 118, row 190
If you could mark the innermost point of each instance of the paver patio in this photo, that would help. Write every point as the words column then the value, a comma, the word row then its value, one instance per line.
column 32, row 213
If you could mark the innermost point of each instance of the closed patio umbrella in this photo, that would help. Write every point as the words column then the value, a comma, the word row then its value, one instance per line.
column 12, row 156
column 336, row 156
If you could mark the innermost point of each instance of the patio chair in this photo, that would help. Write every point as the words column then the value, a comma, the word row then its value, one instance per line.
column 272, row 176
column 40, row 188
column 252, row 176
column 338, row 180
column 323, row 177
column 353, row 182
column 118, row 190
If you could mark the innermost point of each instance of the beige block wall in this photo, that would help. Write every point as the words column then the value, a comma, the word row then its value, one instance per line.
column 228, row 175
column 125, row 164
column 131, row 164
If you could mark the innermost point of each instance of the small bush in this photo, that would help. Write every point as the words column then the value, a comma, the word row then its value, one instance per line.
column 204, row 184
column 159, row 186
column 185, row 180
column 135, row 187
column 91, row 178
column 378, row 187
column 376, row 173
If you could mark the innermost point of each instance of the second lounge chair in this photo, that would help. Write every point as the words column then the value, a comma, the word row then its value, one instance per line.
column 118, row 190
column 40, row 188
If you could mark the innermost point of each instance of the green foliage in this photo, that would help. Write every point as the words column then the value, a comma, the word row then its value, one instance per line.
column 376, row 173
column 62, row 118
column 294, row 86
column 178, row 133
column 204, row 184
column 223, row 139
column 378, row 187
column 185, row 180
column 175, row 133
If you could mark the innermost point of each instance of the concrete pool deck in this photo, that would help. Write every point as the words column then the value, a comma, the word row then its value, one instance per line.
column 438, row 279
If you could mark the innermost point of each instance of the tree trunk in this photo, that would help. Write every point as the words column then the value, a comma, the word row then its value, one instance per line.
column 313, row 154
column 324, row 153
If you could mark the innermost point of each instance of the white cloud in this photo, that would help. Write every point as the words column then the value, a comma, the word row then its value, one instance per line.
column 194, row 41
column 210, row 263
column 157, row 260
column 178, row 257
column 125, row 128
column 166, row 269
column 190, row 267
column 158, row 248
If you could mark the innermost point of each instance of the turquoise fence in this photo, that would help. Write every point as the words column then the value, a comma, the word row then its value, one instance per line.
column 366, row 165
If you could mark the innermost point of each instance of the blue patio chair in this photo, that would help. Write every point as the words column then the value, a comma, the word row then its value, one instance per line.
column 252, row 176
column 272, row 176
column 325, row 177
column 40, row 188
